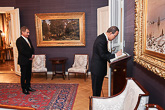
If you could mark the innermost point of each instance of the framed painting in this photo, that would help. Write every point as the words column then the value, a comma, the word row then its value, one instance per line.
column 60, row 29
column 149, row 45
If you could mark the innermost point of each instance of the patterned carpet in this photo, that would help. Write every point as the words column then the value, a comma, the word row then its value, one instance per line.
column 47, row 96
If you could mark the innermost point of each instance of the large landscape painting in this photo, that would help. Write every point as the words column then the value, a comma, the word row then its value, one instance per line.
column 149, row 43
column 156, row 26
column 60, row 29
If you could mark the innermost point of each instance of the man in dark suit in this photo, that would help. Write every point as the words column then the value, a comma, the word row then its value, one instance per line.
column 25, row 56
column 100, row 57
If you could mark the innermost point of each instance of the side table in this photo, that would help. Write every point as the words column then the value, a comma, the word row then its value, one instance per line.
column 58, row 61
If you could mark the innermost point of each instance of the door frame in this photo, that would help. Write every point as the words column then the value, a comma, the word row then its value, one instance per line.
column 15, row 25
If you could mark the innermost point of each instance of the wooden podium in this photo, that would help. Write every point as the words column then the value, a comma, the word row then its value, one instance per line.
column 117, row 76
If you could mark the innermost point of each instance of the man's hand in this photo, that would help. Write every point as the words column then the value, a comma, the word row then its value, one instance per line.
column 32, row 57
column 119, row 53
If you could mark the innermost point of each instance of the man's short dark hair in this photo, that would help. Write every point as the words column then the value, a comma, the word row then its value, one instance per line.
column 113, row 29
column 23, row 29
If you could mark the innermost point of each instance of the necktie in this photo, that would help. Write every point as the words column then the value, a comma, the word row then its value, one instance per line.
column 28, row 43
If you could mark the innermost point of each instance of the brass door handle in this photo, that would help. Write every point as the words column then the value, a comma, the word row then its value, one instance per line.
column 115, row 70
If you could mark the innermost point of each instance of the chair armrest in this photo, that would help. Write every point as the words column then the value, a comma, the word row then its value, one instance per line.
column 107, row 103
column 153, row 107
column 87, row 65
column 73, row 65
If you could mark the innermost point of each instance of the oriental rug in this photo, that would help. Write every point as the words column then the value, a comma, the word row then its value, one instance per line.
column 46, row 96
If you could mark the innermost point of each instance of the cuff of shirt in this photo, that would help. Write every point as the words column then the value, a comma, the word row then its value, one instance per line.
column 115, row 55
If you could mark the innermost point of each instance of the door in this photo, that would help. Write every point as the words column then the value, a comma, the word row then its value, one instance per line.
column 15, row 32
column 15, row 26
column 102, row 19
column 103, row 24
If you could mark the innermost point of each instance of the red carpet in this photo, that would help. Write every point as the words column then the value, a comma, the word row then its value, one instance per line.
column 47, row 96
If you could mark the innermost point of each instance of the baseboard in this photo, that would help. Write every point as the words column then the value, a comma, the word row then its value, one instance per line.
column 50, row 72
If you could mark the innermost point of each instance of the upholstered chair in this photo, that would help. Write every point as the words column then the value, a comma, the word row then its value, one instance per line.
column 132, row 97
column 39, row 64
column 80, row 65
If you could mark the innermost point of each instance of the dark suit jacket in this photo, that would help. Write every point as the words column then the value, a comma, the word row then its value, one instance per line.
column 100, row 56
column 24, row 51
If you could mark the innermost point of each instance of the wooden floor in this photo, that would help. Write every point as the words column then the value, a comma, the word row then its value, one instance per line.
column 83, row 93
column 7, row 66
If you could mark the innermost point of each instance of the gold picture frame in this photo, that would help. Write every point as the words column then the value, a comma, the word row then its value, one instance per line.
column 148, row 58
column 60, row 29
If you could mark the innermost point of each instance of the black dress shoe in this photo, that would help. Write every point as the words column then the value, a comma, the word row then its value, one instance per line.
column 25, row 91
column 30, row 89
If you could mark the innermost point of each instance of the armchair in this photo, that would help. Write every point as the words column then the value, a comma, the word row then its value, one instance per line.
column 80, row 65
column 132, row 97
column 39, row 64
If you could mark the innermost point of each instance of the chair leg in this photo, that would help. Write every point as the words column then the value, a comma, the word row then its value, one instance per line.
column 68, row 76
column 85, row 76
column 90, row 102
column 102, row 92
column 46, row 75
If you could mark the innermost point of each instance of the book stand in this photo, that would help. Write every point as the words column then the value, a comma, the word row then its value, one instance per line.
column 117, row 76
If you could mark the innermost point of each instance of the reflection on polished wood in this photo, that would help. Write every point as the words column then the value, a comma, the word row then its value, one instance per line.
column 6, row 54
column 83, row 92
column 7, row 66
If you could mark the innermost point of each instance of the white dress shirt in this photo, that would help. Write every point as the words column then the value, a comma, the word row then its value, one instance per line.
column 27, row 41
column 110, row 41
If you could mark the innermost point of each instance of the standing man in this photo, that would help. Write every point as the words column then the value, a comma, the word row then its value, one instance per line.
column 100, row 57
column 25, row 56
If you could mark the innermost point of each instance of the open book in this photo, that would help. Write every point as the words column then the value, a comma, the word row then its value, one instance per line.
column 119, row 57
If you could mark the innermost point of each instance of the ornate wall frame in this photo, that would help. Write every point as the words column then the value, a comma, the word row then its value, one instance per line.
column 153, row 61
column 60, row 29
